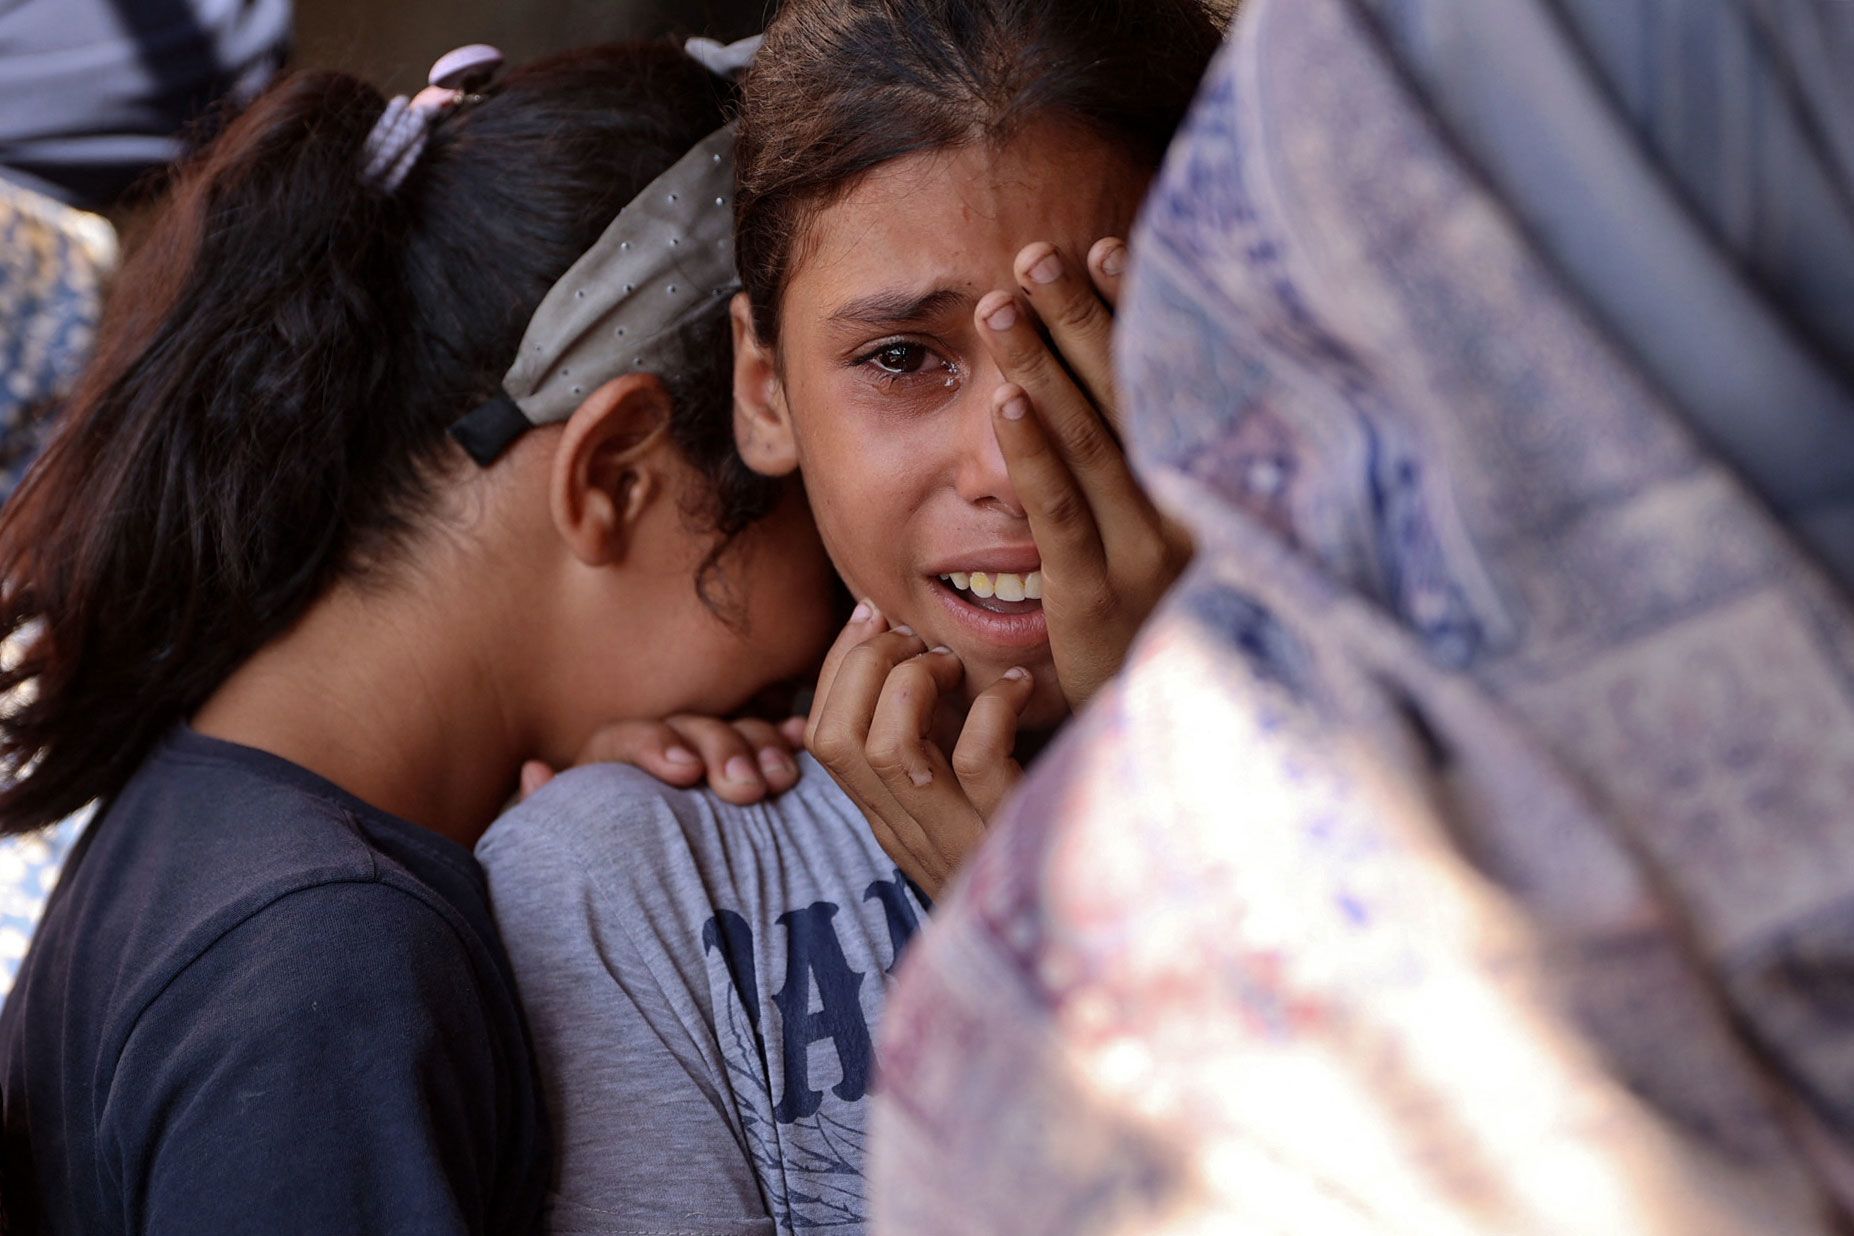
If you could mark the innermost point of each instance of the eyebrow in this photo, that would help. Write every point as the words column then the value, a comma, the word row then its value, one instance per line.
column 898, row 306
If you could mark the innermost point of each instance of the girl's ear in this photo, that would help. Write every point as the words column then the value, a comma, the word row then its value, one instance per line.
column 762, row 422
column 609, row 465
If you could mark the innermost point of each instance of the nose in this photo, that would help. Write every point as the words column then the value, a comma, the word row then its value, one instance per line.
column 979, row 476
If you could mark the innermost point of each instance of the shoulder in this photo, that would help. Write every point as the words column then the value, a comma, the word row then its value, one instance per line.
column 344, row 1023
column 611, row 848
column 327, row 976
column 594, row 796
column 206, row 871
column 595, row 815
column 364, row 944
column 390, row 917
column 211, row 823
column 605, row 817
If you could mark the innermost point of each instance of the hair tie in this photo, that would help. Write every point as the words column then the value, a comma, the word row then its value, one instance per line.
column 724, row 59
column 399, row 136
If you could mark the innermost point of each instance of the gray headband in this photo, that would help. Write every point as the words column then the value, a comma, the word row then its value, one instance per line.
column 633, row 303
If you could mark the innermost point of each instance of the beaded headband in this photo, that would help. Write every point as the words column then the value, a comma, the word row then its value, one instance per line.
column 634, row 301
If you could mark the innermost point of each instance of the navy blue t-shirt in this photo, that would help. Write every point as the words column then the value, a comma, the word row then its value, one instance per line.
column 257, row 1004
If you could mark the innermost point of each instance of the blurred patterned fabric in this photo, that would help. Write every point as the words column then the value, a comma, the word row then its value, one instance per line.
column 54, row 264
column 29, row 868
column 1467, row 846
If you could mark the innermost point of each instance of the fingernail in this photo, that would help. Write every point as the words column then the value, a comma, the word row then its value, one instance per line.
column 920, row 777
column 904, row 630
column 1015, row 408
column 1048, row 270
column 1115, row 261
column 862, row 612
column 1003, row 318
column 740, row 768
column 681, row 755
column 1017, row 673
column 775, row 762
column 940, row 649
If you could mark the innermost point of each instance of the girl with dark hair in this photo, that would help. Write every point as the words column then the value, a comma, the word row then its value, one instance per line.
column 295, row 596
column 929, row 192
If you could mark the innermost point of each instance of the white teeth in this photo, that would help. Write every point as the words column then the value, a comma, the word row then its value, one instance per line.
column 1005, row 585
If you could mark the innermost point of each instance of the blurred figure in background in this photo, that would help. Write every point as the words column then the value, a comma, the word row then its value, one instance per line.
column 392, row 42
column 95, row 96
column 1467, row 846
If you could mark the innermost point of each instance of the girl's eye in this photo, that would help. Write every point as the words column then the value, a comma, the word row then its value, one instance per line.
column 905, row 367
column 900, row 358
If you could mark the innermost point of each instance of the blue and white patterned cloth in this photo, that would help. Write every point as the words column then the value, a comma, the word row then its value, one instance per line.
column 54, row 264
column 29, row 868
column 1468, row 846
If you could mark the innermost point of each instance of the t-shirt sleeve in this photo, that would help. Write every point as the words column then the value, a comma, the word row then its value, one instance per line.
column 328, row 1065
column 602, row 914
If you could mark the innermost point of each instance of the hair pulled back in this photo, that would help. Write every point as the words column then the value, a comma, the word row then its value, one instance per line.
column 843, row 86
column 274, row 377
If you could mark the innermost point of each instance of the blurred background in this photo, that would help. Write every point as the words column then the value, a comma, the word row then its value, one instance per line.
column 96, row 94
column 392, row 43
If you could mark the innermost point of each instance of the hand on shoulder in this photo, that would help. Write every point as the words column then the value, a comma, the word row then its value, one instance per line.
column 743, row 760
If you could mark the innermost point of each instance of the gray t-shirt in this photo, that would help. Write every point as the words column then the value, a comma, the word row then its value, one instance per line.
column 703, row 983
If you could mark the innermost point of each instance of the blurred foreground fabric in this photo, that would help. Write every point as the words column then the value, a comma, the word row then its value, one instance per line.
column 1467, row 847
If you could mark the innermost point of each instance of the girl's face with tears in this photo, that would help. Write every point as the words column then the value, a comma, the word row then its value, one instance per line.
column 880, row 390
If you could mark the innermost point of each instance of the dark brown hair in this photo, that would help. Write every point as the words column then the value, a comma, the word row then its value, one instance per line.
column 844, row 86
column 274, row 377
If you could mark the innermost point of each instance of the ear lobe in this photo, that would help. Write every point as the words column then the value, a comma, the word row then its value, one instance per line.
column 762, row 423
column 608, row 467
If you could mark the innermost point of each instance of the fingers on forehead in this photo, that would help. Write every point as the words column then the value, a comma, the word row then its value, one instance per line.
column 1109, row 257
column 1063, row 296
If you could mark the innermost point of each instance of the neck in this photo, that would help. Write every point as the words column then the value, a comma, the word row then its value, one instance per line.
column 390, row 696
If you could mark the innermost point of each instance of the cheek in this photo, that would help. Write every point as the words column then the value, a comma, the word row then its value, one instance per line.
column 867, row 478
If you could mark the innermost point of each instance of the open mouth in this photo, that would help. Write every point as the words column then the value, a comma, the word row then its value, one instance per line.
column 998, row 592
